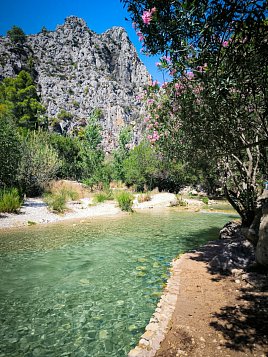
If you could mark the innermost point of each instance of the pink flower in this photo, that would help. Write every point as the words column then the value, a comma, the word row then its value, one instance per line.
column 141, row 37
column 147, row 16
column 172, row 72
column 200, row 68
column 166, row 58
column 190, row 75
column 225, row 43
column 178, row 86
column 156, row 135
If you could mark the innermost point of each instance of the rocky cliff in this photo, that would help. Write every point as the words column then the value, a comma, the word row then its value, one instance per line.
column 77, row 70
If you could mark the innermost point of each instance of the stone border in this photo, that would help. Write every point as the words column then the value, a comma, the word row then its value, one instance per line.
column 159, row 323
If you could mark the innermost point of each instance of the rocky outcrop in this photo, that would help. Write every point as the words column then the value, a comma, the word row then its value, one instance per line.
column 262, row 244
column 257, row 233
column 235, row 251
column 77, row 70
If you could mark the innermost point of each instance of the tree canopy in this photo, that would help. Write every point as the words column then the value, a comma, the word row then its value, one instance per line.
column 20, row 95
column 17, row 35
column 216, row 105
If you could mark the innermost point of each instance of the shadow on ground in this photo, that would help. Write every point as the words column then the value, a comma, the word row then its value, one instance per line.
column 245, row 324
column 34, row 204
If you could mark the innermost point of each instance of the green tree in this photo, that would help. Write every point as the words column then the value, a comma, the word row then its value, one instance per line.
column 121, row 153
column 39, row 164
column 68, row 150
column 141, row 166
column 16, row 35
column 20, row 95
column 92, row 154
column 217, row 101
column 10, row 145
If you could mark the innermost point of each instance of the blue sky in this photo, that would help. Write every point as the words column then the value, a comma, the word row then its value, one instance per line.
column 100, row 15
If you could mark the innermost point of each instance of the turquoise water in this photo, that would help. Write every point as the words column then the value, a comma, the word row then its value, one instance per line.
column 89, row 289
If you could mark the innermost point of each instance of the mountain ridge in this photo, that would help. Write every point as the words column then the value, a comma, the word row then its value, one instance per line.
column 78, row 71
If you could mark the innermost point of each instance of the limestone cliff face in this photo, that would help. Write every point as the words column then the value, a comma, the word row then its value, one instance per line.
column 78, row 70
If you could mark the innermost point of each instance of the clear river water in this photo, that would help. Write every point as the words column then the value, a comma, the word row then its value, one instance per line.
column 89, row 289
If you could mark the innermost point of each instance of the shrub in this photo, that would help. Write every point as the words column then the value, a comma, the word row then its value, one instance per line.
column 182, row 203
column 144, row 197
column 10, row 200
column 205, row 200
column 38, row 165
column 10, row 148
column 125, row 200
column 71, row 189
column 56, row 202
column 103, row 196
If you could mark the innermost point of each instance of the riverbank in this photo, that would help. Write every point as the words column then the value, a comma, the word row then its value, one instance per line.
column 36, row 211
column 205, row 312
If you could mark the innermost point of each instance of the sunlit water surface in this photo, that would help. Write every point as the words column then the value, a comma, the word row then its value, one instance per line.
column 89, row 289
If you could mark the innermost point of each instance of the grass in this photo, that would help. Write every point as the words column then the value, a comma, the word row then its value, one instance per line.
column 144, row 197
column 59, row 192
column 125, row 200
column 10, row 200
column 103, row 196
column 71, row 189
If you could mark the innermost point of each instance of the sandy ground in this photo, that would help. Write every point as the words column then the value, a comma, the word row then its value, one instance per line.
column 35, row 210
column 216, row 315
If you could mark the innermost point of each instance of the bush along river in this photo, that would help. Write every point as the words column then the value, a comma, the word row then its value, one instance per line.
column 89, row 289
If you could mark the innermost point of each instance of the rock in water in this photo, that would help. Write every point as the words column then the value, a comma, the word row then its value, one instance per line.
column 77, row 70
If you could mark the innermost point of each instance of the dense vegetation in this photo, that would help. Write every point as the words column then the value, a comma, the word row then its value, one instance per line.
column 213, row 114
column 35, row 153
column 207, row 126
column 214, row 111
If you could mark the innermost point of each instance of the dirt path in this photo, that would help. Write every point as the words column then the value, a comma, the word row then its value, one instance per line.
column 216, row 315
